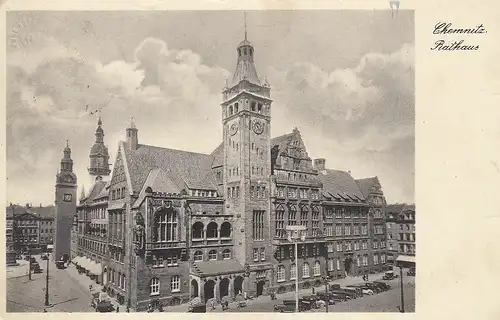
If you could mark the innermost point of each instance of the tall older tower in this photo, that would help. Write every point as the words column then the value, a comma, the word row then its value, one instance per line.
column 65, row 203
column 99, row 156
column 246, row 119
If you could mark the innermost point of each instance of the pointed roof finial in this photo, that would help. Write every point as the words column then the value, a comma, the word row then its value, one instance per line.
column 67, row 143
column 245, row 18
column 132, row 123
column 99, row 121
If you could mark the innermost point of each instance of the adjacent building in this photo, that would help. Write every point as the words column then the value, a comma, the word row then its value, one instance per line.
column 400, row 224
column 29, row 228
column 171, row 225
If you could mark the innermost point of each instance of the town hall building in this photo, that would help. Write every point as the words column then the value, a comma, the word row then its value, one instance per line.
column 169, row 225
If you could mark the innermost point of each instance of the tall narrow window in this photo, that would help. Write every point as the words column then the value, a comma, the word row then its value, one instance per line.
column 317, row 268
column 292, row 215
column 304, row 213
column 305, row 270
column 293, row 271
column 258, row 225
column 280, row 222
column 315, row 221
column 280, row 274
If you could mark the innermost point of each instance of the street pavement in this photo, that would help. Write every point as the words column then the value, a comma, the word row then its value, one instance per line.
column 388, row 301
column 69, row 292
column 65, row 293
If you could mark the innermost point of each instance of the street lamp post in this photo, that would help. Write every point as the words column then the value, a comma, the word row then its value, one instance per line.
column 296, row 233
column 47, row 283
column 29, row 260
column 402, row 291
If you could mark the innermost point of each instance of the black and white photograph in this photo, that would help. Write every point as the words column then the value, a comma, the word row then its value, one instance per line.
column 210, row 161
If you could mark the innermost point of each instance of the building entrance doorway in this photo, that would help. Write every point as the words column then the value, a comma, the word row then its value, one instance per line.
column 238, row 285
column 260, row 287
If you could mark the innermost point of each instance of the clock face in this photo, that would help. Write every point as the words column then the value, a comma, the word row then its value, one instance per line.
column 233, row 129
column 67, row 197
column 258, row 127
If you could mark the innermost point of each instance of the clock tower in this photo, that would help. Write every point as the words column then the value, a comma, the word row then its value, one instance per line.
column 246, row 119
column 65, row 204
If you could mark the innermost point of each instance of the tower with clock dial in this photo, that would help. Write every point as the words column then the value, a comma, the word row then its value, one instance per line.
column 65, row 204
column 246, row 119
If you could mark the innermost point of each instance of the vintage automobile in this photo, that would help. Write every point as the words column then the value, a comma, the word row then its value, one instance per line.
column 342, row 294
column 411, row 272
column 44, row 257
column 356, row 291
column 389, row 275
column 100, row 302
column 327, row 296
column 198, row 308
column 382, row 285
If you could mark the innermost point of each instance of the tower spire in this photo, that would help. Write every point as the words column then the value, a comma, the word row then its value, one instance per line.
column 245, row 18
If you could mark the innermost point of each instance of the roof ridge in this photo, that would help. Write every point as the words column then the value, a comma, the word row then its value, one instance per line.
column 165, row 148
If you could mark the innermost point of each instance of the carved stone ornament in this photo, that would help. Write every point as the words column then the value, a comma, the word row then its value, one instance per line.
column 233, row 129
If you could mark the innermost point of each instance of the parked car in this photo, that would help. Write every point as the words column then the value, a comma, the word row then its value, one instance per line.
column 284, row 308
column 198, row 308
column 326, row 296
column 44, row 257
column 375, row 288
column 411, row 272
column 357, row 291
column 389, row 275
column 383, row 285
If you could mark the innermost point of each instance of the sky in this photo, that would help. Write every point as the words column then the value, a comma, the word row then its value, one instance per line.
column 345, row 79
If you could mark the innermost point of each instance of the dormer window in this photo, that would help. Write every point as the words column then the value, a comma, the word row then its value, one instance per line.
column 259, row 107
column 252, row 105
column 245, row 51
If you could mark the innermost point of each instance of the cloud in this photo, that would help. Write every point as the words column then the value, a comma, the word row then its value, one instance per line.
column 52, row 100
column 356, row 116
column 360, row 118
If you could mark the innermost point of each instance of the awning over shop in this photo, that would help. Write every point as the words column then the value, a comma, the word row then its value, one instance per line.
column 406, row 261
column 76, row 260
column 95, row 268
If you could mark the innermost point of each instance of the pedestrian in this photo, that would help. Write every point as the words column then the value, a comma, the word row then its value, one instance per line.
column 367, row 277
column 127, row 309
column 245, row 295
column 160, row 307
column 313, row 291
column 213, row 303
column 44, row 310
column 90, row 287
column 117, row 309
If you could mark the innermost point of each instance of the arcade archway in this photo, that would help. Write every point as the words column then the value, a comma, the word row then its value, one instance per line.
column 224, row 287
column 209, row 289
column 194, row 288
column 260, row 287
column 238, row 285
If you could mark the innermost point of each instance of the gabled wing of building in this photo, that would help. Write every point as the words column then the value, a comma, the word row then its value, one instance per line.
column 177, row 169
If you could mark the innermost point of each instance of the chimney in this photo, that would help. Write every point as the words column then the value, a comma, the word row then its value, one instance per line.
column 319, row 164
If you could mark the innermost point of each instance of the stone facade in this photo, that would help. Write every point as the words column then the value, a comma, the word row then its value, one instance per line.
column 182, row 225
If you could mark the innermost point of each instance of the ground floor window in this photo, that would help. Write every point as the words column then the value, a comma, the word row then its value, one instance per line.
column 317, row 268
column 175, row 284
column 280, row 275
column 305, row 270
column 293, row 272
column 154, row 286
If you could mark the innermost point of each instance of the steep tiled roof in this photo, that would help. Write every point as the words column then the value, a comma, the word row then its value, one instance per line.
column 395, row 208
column 366, row 184
column 183, row 167
column 245, row 70
column 218, row 155
column 282, row 141
column 339, row 184
column 206, row 268
column 94, row 192
column 104, row 191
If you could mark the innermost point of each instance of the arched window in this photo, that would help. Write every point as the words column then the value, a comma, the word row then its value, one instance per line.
column 212, row 230
column 212, row 255
column 230, row 110
column 154, row 286
column 197, row 230
column 225, row 230
column 280, row 274
column 166, row 226
column 236, row 107
column 226, row 254
column 305, row 270
column 317, row 268
column 198, row 256
column 293, row 272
